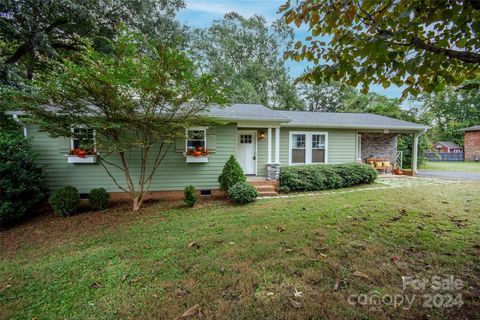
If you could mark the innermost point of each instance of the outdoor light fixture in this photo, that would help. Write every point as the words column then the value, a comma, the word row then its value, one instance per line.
column 261, row 135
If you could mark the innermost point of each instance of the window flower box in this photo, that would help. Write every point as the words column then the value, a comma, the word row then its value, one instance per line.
column 85, row 159
column 80, row 155
column 196, row 155
column 196, row 159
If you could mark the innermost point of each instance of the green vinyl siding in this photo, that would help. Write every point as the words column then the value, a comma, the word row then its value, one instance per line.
column 173, row 174
column 341, row 144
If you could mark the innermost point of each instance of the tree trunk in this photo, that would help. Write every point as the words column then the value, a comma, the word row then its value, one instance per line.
column 137, row 202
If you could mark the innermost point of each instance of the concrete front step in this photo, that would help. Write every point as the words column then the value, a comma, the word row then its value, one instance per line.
column 265, row 187
column 268, row 194
column 255, row 182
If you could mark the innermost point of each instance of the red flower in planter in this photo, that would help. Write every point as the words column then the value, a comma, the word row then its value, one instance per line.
column 81, row 153
column 197, row 152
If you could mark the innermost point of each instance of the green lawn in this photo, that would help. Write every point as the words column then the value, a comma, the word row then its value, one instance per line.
column 250, row 260
column 452, row 166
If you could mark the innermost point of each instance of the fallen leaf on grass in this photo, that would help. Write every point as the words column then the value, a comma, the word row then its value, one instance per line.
column 461, row 223
column 403, row 212
column 421, row 226
column 194, row 245
column 361, row 275
column 288, row 250
column 95, row 285
column 6, row 287
column 192, row 311
column 281, row 229
column 394, row 259
column 297, row 294
column 336, row 286
column 395, row 218
column 180, row 293
column 295, row 304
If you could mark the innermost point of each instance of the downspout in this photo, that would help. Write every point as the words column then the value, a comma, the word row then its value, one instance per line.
column 20, row 122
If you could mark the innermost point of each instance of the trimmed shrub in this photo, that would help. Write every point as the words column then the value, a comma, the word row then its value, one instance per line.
column 231, row 174
column 21, row 182
column 190, row 195
column 98, row 199
column 65, row 201
column 322, row 177
column 242, row 193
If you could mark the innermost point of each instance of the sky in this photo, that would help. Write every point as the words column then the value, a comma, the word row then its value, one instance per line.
column 201, row 13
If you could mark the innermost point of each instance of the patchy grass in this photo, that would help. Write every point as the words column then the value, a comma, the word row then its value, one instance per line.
column 249, row 260
column 452, row 166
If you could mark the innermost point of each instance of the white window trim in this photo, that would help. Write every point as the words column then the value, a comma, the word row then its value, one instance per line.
column 308, row 147
column 198, row 129
column 83, row 127
column 359, row 147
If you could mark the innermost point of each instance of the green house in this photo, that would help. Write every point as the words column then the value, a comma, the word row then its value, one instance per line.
column 261, row 139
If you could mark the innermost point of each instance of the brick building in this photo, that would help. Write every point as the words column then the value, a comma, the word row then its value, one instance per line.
column 447, row 147
column 472, row 143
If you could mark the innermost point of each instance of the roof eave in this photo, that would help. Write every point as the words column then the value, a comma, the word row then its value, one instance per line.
column 365, row 127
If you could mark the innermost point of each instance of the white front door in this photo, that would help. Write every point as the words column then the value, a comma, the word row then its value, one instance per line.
column 246, row 150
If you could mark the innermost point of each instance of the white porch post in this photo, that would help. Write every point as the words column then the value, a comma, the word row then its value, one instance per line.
column 415, row 152
column 277, row 145
column 269, row 148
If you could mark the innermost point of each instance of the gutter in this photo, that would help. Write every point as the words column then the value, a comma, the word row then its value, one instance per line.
column 21, row 123
column 348, row 126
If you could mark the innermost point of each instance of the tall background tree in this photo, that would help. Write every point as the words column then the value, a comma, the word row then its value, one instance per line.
column 421, row 44
column 448, row 111
column 246, row 55
column 35, row 32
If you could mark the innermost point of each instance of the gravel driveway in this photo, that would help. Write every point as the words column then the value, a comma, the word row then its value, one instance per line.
column 454, row 175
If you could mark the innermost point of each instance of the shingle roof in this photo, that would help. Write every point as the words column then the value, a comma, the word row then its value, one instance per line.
column 347, row 120
column 474, row 128
column 246, row 112
column 449, row 144
column 312, row 119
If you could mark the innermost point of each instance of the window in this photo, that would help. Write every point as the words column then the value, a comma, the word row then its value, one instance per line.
column 246, row 138
column 308, row 147
column 318, row 148
column 83, row 138
column 196, row 138
column 298, row 148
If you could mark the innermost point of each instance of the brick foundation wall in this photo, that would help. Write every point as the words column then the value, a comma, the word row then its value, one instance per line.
column 379, row 145
column 165, row 195
column 472, row 145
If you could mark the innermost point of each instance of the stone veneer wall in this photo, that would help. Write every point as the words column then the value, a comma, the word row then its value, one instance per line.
column 472, row 145
column 273, row 171
column 379, row 145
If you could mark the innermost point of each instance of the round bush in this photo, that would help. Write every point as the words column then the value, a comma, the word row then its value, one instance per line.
column 98, row 199
column 242, row 193
column 231, row 174
column 190, row 196
column 21, row 182
column 65, row 201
